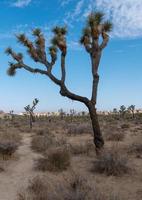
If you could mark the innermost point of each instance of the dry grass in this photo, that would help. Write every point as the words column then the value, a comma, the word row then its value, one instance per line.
column 111, row 162
column 114, row 136
column 57, row 159
column 125, row 126
column 74, row 129
column 9, row 142
column 40, row 143
column 135, row 148
column 82, row 148
column 7, row 149
column 75, row 188
column 10, row 136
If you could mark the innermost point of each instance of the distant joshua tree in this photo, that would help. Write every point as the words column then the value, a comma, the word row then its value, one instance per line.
column 72, row 113
column 11, row 112
column 131, row 109
column 115, row 111
column 94, row 39
column 30, row 110
column 61, row 113
column 122, row 110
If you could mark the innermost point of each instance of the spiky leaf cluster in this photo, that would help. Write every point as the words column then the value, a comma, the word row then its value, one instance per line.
column 53, row 52
column 27, row 108
column 59, row 39
column 16, row 56
column 35, row 102
column 40, row 44
column 107, row 26
column 96, row 27
column 95, row 18
column 11, row 70
column 30, row 47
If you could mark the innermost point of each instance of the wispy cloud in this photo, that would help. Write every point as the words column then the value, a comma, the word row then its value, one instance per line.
column 74, row 15
column 64, row 2
column 125, row 15
column 21, row 3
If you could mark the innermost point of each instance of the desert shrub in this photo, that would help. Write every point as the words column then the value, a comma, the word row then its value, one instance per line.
column 41, row 131
column 38, row 189
column 135, row 148
column 57, row 159
column 12, row 136
column 76, row 188
column 79, row 129
column 7, row 149
column 82, row 148
column 125, row 126
column 111, row 162
column 114, row 136
column 44, row 139
column 40, row 143
column 80, row 189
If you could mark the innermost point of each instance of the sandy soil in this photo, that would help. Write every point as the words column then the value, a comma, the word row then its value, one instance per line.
column 18, row 172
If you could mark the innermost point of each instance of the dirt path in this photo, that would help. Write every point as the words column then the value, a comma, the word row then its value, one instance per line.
column 18, row 172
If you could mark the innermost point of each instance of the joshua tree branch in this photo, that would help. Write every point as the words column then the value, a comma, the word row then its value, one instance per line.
column 63, row 72
column 33, row 70
column 65, row 92
column 105, row 41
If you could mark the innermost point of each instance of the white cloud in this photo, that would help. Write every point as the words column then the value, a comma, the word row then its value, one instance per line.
column 21, row 3
column 64, row 2
column 125, row 15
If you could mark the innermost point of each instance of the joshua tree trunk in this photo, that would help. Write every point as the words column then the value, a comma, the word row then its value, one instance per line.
column 133, row 114
column 32, row 119
column 98, row 139
column 31, row 123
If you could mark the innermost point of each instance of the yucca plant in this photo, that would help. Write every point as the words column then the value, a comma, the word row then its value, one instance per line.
column 131, row 109
column 96, row 30
column 122, row 110
column 30, row 111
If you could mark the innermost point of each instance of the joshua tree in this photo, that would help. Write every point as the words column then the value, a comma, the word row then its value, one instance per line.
column 61, row 113
column 30, row 110
column 115, row 110
column 132, row 110
column 94, row 39
column 122, row 110
column 72, row 113
column 11, row 112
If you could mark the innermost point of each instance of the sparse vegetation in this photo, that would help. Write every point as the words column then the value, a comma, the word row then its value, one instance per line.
column 76, row 129
column 125, row 126
column 7, row 149
column 113, row 135
column 57, row 159
column 74, row 188
column 111, row 162
column 40, row 143
column 136, row 148
column 84, row 149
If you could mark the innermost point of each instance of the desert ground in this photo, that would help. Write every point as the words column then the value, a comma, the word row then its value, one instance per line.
column 56, row 160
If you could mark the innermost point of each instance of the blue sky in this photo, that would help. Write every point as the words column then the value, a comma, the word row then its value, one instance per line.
column 120, row 68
